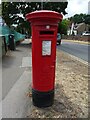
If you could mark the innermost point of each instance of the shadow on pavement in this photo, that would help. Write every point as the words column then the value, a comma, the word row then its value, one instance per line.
column 26, row 45
column 15, row 57
column 7, row 61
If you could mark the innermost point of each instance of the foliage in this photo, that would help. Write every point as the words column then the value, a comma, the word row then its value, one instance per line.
column 11, row 12
column 0, row 9
column 87, row 19
column 63, row 26
column 79, row 18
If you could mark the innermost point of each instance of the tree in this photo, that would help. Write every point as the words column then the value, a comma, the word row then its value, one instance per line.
column 87, row 19
column 79, row 18
column 63, row 26
column 11, row 11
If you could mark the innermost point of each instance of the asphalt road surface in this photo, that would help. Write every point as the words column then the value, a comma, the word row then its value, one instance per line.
column 11, row 67
column 75, row 49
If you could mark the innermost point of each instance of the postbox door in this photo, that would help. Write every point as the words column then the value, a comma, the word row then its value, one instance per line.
column 48, row 62
column 44, row 72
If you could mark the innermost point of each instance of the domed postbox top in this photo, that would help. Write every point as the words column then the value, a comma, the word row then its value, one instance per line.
column 44, row 14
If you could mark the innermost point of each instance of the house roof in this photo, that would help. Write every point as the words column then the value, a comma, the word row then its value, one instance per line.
column 77, row 26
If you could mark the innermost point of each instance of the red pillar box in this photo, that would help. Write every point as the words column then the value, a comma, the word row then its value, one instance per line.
column 44, row 34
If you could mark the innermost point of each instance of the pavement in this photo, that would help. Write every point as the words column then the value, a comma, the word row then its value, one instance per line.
column 13, row 65
column 17, row 101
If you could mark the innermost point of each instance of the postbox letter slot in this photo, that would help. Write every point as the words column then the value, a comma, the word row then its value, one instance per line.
column 46, row 32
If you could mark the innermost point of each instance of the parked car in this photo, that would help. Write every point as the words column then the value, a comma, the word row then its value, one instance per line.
column 86, row 33
column 58, row 38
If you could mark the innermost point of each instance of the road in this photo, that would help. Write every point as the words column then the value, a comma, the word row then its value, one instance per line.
column 75, row 49
column 11, row 67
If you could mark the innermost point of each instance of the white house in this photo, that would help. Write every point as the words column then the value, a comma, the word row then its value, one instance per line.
column 77, row 29
column 2, row 22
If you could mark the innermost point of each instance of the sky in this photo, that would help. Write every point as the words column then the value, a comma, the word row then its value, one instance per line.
column 76, row 7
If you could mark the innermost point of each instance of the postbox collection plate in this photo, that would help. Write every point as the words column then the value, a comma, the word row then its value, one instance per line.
column 46, row 47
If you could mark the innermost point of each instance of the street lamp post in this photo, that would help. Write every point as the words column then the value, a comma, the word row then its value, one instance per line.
column 41, row 4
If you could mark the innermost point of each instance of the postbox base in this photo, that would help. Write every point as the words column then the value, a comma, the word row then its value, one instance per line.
column 42, row 99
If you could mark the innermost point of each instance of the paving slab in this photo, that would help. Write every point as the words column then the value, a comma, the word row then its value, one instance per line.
column 15, row 102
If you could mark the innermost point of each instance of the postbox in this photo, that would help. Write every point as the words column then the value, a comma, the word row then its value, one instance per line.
column 44, row 25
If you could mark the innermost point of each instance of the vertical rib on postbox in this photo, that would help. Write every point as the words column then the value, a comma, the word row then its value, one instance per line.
column 44, row 34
